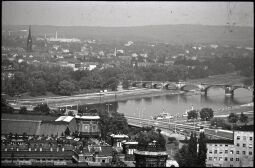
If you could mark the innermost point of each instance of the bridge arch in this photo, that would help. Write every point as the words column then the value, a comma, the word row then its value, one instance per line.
column 210, row 86
column 157, row 85
column 182, row 87
column 235, row 88
column 169, row 86
column 146, row 84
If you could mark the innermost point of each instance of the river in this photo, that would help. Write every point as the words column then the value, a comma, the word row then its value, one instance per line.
column 177, row 104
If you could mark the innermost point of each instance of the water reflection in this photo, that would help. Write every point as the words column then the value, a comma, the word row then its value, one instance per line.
column 174, row 104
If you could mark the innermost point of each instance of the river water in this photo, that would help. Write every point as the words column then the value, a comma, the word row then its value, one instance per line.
column 178, row 104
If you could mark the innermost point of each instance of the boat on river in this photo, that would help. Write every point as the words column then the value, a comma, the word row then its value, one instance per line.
column 163, row 116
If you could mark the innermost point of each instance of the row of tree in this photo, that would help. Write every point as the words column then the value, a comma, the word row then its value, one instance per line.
column 40, row 78
column 189, row 155
column 206, row 114
column 232, row 119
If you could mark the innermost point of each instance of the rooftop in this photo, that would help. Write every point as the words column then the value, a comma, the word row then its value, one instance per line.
column 88, row 117
column 119, row 136
column 65, row 118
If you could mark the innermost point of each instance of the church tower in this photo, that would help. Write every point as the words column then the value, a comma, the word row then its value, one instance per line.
column 29, row 41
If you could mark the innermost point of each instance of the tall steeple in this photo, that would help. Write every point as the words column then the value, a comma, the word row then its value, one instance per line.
column 29, row 41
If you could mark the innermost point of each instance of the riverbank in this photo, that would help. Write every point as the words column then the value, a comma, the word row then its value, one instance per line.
column 103, row 97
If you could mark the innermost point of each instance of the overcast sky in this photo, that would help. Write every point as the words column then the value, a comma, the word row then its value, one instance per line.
column 126, row 13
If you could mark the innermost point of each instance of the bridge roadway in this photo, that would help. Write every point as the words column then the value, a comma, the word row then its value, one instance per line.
column 181, row 128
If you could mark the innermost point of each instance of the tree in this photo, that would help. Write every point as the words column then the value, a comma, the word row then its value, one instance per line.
column 111, row 83
column 42, row 108
column 38, row 87
column 233, row 118
column 125, row 84
column 23, row 110
column 202, row 150
column 243, row 118
column 66, row 88
column 192, row 148
column 183, row 157
column 206, row 114
column 70, row 113
column 5, row 107
column 192, row 114
column 67, row 131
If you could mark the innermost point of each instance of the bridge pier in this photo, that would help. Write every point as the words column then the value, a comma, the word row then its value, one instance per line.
column 229, row 92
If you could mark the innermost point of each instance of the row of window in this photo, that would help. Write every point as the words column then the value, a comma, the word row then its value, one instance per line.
column 219, row 145
column 221, row 159
column 231, row 152
column 244, row 145
column 244, row 138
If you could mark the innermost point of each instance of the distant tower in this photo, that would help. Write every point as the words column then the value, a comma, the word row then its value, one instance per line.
column 29, row 41
column 56, row 35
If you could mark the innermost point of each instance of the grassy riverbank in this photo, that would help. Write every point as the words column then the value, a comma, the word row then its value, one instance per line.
column 103, row 97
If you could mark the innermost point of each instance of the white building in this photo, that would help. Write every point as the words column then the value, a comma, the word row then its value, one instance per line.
column 231, row 153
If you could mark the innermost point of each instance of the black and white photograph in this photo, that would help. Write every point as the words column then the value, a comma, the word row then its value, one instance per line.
column 127, row 84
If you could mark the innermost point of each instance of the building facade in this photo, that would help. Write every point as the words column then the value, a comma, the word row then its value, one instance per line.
column 231, row 153
column 150, row 156
column 88, row 126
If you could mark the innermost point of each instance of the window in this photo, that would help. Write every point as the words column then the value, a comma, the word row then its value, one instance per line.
column 238, row 144
column 237, row 152
column 244, row 137
column 231, row 152
column 250, row 145
column 231, row 159
column 220, row 158
column 210, row 151
column 237, row 159
column 250, row 153
column 226, row 145
column 215, row 158
column 231, row 165
column 243, row 152
column 221, row 152
column 238, row 137
column 215, row 151
column 251, row 138
column 216, row 145
column 226, row 159
column 220, row 144
column 244, row 145
column 226, row 151
column 210, row 158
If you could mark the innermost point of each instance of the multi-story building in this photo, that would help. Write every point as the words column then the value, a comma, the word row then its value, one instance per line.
column 151, row 155
column 88, row 125
column 231, row 153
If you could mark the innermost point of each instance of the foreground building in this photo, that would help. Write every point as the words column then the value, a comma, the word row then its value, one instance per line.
column 231, row 153
column 150, row 156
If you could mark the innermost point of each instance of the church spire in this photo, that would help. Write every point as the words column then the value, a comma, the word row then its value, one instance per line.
column 29, row 41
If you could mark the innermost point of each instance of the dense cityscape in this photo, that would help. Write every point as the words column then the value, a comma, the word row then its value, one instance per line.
column 66, row 100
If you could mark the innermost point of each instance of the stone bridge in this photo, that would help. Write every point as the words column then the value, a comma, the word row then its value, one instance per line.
column 202, row 87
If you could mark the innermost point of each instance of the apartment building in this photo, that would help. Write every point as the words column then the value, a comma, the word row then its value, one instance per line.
column 231, row 153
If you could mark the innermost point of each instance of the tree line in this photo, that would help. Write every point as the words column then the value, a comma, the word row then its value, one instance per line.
column 37, row 79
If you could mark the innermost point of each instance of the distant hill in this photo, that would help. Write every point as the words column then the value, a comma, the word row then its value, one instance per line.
column 173, row 34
